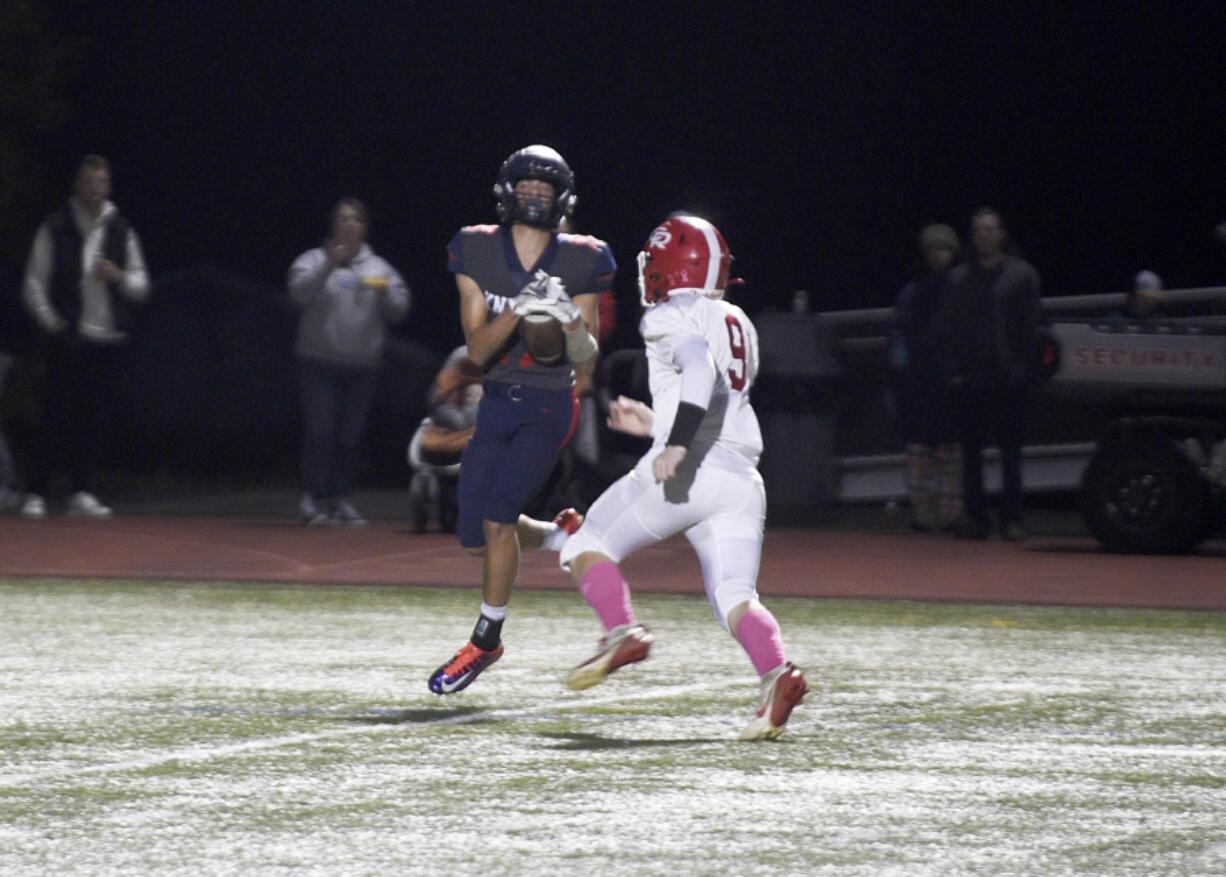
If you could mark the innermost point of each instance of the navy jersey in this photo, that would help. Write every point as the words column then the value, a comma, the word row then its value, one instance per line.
column 487, row 254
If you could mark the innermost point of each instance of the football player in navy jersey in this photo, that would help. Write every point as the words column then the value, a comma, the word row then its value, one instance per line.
column 528, row 411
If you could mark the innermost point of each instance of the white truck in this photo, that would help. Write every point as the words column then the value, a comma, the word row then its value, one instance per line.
column 1156, row 482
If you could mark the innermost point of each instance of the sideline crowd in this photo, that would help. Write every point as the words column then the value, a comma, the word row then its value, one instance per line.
column 962, row 359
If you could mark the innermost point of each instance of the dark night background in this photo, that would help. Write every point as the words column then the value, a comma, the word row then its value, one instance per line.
column 818, row 136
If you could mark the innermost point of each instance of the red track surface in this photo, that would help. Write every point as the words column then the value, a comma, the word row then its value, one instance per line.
column 796, row 562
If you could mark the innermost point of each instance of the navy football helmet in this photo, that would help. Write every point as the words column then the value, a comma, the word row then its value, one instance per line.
column 535, row 163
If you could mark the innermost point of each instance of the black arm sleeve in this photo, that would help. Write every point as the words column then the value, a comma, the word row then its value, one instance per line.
column 685, row 424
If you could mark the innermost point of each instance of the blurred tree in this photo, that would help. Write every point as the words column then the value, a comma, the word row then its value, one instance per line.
column 35, row 65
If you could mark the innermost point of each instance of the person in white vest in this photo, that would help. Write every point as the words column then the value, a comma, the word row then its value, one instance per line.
column 84, row 272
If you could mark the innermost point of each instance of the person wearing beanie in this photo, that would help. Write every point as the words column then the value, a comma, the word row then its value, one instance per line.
column 921, row 371
column 940, row 238
column 1146, row 298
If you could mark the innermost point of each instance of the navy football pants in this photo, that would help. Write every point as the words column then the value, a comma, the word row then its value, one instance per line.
column 520, row 431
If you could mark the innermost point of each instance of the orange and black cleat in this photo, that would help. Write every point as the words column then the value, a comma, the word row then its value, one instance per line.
column 465, row 666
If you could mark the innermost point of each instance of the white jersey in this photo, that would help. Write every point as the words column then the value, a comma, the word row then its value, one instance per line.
column 730, row 422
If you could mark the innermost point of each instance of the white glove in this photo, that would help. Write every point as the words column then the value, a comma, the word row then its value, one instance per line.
column 545, row 294
column 563, row 310
column 534, row 292
column 547, row 286
column 524, row 303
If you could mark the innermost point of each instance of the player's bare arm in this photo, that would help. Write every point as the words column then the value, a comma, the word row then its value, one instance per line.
column 666, row 463
column 631, row 416
column 636, row 418
column 589, row 313
column 485, row 337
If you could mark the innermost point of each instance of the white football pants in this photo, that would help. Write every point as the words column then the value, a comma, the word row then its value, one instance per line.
column 721, row 510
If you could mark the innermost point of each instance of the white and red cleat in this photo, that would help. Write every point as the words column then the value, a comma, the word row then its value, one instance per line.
column 568, row 520
column 624, row 644
column 782, row 689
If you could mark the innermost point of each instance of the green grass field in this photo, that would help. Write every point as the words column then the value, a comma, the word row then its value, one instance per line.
column 179, row 729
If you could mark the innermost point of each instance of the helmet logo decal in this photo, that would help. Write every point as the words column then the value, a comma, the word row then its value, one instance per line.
column 660, row 238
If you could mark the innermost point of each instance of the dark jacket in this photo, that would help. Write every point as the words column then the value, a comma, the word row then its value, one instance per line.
column 920, row 362
column 993, row 322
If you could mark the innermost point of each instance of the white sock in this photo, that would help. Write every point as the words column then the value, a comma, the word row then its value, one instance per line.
column 555, row 538
column 493, row 613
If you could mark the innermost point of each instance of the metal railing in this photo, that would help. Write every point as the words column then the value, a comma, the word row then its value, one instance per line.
column 868, row 452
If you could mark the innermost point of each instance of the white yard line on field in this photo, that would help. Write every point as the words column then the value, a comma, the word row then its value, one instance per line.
column 198, row 754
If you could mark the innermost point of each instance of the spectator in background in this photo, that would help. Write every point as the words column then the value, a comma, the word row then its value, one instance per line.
column 456, row 392
column 994, row 301
column 84, row 272
column 346, row 297
column 10, row 497
column 922, row 370
column 438, row 443
column 454, row 400
column 1145, row 299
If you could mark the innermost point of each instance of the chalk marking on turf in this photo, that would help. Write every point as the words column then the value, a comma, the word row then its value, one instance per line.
column 201, row 754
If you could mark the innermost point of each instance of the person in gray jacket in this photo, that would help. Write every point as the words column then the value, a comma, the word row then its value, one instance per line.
column 347, row 297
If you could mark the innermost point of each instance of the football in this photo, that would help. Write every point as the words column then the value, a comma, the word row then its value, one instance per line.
column 543, row 336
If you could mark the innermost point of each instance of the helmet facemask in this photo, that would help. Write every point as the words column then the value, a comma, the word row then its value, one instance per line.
column 536, row 207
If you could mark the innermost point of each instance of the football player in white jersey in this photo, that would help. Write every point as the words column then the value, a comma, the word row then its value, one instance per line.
column 700, row 476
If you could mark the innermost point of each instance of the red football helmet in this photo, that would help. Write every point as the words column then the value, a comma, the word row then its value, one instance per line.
column 684, row 254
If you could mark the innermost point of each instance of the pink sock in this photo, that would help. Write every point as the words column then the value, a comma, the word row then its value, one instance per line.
column 607, row 591
column 758, row 633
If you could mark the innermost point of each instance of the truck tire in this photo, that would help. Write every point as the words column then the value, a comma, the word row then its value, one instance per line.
column 1140, row 495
